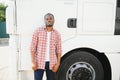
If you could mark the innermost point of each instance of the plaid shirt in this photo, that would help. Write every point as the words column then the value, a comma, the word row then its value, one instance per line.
column 38, row 46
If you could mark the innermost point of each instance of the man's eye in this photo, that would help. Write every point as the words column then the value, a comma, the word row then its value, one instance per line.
column 49, row 19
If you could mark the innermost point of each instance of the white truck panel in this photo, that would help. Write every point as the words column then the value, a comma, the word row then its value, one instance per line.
column 96, row 17
column 114, row 58
column 99, row 43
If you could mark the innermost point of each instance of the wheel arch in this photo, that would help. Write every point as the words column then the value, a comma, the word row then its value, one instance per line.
column 100, row 56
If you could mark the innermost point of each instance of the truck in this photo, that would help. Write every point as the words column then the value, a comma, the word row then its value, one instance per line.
column 90, row 32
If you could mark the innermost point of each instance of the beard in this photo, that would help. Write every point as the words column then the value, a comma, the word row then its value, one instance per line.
column 49, row 25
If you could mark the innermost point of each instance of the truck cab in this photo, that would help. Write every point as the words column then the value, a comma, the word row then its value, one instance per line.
column 90, row 37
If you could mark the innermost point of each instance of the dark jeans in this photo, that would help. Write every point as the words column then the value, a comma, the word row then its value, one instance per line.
column 38, row 74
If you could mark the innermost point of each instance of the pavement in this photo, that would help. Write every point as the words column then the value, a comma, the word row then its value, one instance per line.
column 4, row 68
column 4, row 63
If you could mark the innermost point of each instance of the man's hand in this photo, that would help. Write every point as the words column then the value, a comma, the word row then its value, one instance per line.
column 34, row 66
column 55, row 67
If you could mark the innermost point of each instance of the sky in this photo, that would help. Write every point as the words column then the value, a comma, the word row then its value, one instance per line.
column 3, row 1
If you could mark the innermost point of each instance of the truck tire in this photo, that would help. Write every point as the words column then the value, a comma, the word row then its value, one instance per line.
column 80, row 65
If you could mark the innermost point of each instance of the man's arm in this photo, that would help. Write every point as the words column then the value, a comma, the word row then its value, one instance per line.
column 33, row 57
column 58, row 54
column 34, row 64
column 33, row 49
column 58, row 57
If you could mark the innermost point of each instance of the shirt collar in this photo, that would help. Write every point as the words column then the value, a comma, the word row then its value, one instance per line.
column 46, row 29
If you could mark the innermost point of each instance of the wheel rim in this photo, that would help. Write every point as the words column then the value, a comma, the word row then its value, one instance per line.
column 80, row 71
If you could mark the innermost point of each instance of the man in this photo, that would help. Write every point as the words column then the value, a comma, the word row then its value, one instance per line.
column 46, row 49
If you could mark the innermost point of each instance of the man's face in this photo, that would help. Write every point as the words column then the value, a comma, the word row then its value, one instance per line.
column 49, row 20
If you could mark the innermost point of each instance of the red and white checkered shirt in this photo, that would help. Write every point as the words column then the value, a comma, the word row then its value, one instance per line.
column 38, row 46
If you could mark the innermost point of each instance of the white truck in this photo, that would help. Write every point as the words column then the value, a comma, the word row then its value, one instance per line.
column 90, row 37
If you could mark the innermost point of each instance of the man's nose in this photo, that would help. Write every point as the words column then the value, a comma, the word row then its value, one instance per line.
column 49, row 20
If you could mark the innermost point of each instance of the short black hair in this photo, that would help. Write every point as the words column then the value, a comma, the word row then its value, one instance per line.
column 49, row 14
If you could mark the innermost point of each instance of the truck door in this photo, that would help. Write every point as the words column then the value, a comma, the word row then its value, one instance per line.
column 30, row 14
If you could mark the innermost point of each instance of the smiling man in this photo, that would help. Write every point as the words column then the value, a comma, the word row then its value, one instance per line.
column 46, row 49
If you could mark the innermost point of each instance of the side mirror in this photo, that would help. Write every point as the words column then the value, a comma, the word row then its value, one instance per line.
column 10, row 18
